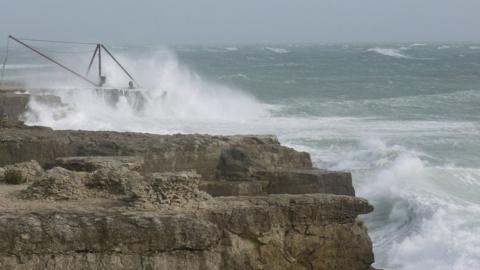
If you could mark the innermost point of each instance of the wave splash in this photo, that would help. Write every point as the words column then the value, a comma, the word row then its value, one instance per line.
column 172, row 93
column 422, row 220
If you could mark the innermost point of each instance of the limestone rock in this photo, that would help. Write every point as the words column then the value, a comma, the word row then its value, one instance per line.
column 233, row 188
column 212, row 157
column 284, row 182
column 93, row 163
column 109, row 182
column 241, row 162
column 58, row 184
column 91, row 223
column 307, row 181
column 294, row 232
column 166, row 189
column 2, row 174
column 24, row 172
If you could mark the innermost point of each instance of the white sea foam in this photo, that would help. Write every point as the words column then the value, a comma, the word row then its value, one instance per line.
column 277, row 50
column 231, row 49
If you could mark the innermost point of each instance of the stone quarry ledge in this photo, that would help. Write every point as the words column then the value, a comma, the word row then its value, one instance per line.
column 228, row 165
column 123, row 200
column 316, row 231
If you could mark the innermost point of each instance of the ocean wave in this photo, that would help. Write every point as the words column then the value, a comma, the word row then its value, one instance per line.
column 443, row 47
column 389, row 52
column 417, row 45
column 290, row 82
column 231, row 49
column 235, row 76
column 396, row 53
column 426, row 217
column 25, row 66
column 276, row 50
column 474, row 47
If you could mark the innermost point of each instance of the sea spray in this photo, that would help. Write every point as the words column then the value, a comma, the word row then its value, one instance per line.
column 169, row 91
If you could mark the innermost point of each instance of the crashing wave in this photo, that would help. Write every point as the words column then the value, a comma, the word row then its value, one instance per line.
column 172, row 93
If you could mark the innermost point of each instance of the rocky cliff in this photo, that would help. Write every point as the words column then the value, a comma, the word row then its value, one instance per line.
column 110, row 200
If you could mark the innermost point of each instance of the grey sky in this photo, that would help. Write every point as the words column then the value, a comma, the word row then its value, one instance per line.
column 242, row 21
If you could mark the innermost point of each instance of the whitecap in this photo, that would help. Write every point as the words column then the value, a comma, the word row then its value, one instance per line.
column 389, row 52
column 277, row 50
column 396, row 53
column 235, row 76
column 417, row 45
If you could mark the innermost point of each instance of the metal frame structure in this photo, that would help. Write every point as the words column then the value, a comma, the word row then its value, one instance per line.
column 96, row 54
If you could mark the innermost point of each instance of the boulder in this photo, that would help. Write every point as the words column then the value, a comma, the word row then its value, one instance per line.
column 168, row 189
column 58, row 184
column 61, row 184
column 21, row 173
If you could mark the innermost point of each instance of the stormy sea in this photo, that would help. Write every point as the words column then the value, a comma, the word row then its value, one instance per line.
column 403, row 118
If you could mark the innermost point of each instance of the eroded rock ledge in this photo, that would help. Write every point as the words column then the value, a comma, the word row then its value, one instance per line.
column 110, row 200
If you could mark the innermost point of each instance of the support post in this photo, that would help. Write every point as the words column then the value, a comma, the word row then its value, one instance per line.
column 91, row 60
column 99, row 61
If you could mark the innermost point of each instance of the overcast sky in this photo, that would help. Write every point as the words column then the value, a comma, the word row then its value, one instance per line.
column 241, row 21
